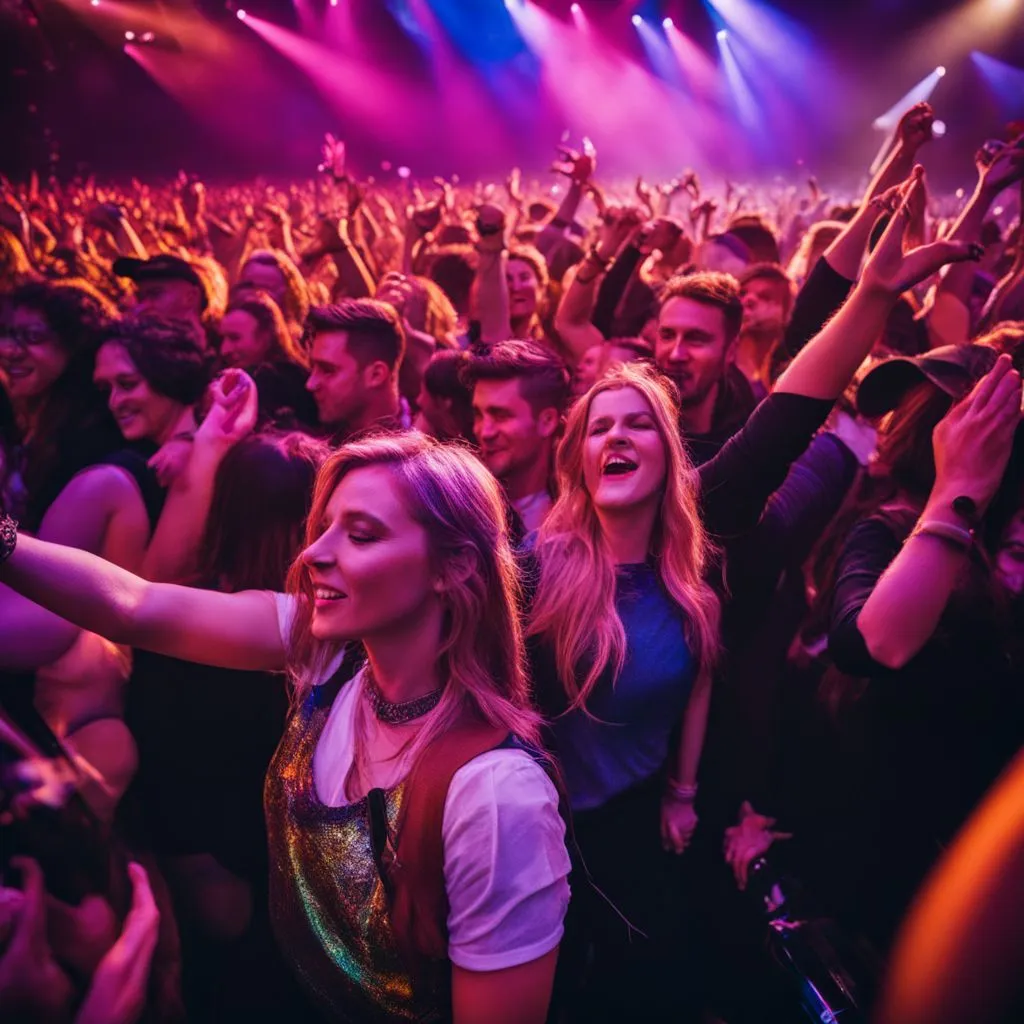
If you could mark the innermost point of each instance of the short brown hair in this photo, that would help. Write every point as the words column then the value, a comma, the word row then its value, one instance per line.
column 374, row 330
column 711, row 289
column 544, row 379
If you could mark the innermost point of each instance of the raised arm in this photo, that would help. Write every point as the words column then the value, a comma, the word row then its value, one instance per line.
column 912, row 132
column 226, row 630
column 827, row 365
column 972, row 449
column 999, row 166
column 490, row 289
column 579, row 169
column 174, row 547
column 573, row 318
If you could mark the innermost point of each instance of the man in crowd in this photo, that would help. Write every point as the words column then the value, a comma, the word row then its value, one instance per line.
column 520, row 394
column 168, row 286
column 356, row 348
column 698, row 326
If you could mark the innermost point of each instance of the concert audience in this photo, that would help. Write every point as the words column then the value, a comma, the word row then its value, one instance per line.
column 747, row 476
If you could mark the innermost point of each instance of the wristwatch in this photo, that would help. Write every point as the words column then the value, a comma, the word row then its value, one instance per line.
column 967, row 509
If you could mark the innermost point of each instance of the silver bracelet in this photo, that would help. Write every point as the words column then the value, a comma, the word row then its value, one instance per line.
column 958, row 536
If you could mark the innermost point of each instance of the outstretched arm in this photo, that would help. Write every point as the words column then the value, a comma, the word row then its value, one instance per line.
column 226, row 630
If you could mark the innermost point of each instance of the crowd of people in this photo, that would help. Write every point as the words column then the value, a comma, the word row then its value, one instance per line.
column 558, row 600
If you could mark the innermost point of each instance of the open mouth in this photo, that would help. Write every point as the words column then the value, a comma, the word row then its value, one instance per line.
column 618, row 465
column 327, row 595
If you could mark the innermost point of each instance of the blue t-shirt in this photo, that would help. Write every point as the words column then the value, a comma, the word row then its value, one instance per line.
column 625, row 740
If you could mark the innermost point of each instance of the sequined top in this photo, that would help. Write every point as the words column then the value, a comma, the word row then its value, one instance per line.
column 327, row 902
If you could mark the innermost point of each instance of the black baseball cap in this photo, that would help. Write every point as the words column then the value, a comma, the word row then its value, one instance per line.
column 954, row 369
column 160, row 268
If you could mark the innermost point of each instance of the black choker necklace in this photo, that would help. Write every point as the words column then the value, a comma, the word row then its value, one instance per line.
column 398, row 714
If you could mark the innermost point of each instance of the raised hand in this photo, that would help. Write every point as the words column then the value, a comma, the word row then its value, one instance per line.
column 1000, row 164
column 490, row 226
column 897, row 264
column 915, row 127
column 972, row 443
column 577, row 167
column 234, row 410
column 333, row 157
column 644, row 194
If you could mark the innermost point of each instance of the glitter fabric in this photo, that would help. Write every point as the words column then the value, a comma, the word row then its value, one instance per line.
column 327, row 902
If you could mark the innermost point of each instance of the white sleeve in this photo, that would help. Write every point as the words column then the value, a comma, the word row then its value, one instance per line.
column 287, row 609
column 505, row 863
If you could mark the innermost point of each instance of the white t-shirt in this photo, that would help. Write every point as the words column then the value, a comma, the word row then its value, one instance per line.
column 505, row 863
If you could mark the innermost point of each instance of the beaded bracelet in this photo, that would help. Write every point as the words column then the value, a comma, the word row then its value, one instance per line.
column 8, row 536
column 686, row 794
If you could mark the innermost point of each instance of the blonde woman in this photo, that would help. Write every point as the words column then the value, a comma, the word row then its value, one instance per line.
column 418, row 857
column 625, row 626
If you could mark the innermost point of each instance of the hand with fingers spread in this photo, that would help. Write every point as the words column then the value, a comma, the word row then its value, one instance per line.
column 750, row 838
column 972, row 443
column 897, row 263
column 577, row 167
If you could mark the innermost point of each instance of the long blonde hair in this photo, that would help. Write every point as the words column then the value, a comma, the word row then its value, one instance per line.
column 453, row 497
column 574, row 607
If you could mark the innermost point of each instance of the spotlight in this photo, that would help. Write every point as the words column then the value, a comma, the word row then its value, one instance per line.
column 130, row 36
column 940, row 71
column 722, row 35
column 404, row 173
column 240, row 14
column 938, row 129
column 148, row 37
column 334, row 3
column 637, row 20
column 667, row 23
column 575, row 8
column 95, row 3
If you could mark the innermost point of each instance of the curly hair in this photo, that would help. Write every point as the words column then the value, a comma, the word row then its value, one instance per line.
column 167, row 354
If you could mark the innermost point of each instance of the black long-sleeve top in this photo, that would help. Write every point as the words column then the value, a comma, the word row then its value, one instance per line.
column 921, row 744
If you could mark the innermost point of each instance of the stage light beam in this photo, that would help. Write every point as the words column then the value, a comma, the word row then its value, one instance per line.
column 637, row 20
column 241, row 14
column 921, row 92
column 666, row 23
column 721, row 35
